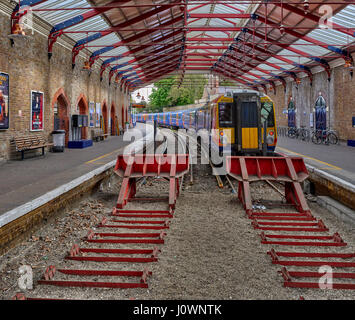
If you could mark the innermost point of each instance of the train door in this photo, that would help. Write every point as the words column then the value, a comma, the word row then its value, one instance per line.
column 248, row 123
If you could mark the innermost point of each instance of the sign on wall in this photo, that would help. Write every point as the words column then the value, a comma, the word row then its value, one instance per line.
column 37, row 111
column 92, row 114
column 98, row 114
column 4, row 101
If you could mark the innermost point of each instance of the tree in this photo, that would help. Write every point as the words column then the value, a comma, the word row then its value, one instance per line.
column 167, row 94
column 227, row 83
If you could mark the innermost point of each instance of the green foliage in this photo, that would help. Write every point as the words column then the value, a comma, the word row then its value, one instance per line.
column 166, row 94
column 227, row 83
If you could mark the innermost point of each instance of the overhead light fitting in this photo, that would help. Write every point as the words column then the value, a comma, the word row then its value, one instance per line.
column 86, row 67
column 306, row 6
column 348, row 64
column 17, row 33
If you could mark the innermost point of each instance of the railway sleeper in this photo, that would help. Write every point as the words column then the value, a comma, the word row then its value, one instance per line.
column 51, row 271
column 306, row 263
column 289, row 275
column 337, row 241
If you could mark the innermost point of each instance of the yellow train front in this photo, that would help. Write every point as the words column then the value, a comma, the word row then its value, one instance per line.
column 238, row 122
column 234, row 120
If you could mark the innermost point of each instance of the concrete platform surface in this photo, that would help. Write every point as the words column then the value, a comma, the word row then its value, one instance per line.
column 338, row 160
column 23, row 181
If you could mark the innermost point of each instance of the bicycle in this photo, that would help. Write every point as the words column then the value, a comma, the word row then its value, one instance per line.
column 299, row 133
column 305, row 134
column 291, row 132
column 324, row 136
column 332, row 137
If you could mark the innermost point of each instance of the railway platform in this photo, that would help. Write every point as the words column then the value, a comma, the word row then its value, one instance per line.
column 331, row 171
column 145, row 236
column 26, row 180
column 34, row 177
column 337, row 160
column 195, row 204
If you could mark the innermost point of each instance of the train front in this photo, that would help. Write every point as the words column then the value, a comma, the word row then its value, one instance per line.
column 240, row 122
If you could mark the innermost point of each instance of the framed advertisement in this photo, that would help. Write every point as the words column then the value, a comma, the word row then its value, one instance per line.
column 37, row 102
column 98, row 114
column 4, row 101
column 92, row 114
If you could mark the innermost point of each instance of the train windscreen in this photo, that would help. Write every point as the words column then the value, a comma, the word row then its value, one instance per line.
column 226, row 115
column 249, row 114
column 267, row 113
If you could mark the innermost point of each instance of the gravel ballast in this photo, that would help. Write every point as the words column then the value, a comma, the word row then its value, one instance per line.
column 211, row 250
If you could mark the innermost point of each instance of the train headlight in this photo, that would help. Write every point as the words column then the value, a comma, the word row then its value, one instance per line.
column 222, row 138
column 270, row 138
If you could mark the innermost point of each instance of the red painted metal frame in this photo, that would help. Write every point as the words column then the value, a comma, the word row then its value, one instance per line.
column 311, row 254
column 292, row 171
column 89, row 284
column 130, row 168
column 54, row 35
column 288, row 281
column 126, row 42
column 272, row 21
column 337, row 242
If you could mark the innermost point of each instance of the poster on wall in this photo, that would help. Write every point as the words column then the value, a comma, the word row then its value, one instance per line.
column 4, row 101
column 92, row 114
column 36, row 111
column 98, row 114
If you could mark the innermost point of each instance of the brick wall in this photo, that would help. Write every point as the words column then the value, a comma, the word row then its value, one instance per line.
column 339, row 94
column 29, row 69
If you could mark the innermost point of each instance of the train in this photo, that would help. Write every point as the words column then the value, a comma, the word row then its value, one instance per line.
column 236, row 121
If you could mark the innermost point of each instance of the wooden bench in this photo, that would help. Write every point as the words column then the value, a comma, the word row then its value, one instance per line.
column 30, row 142
column 99, row 136
column 104, row 136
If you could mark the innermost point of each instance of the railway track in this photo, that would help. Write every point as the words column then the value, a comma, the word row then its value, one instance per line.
column 132, row 237
column 309, row 254
column 298, row 242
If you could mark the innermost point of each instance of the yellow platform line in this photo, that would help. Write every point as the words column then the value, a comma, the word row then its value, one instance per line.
column 304, row 156
column 102, row 157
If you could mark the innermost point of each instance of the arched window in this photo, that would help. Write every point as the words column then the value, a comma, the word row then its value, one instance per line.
column 291, row 113
column 321, row 113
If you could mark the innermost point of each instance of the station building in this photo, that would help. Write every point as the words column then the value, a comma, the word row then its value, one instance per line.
column 45, row 79
column 336, row 91
column 64, row 91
